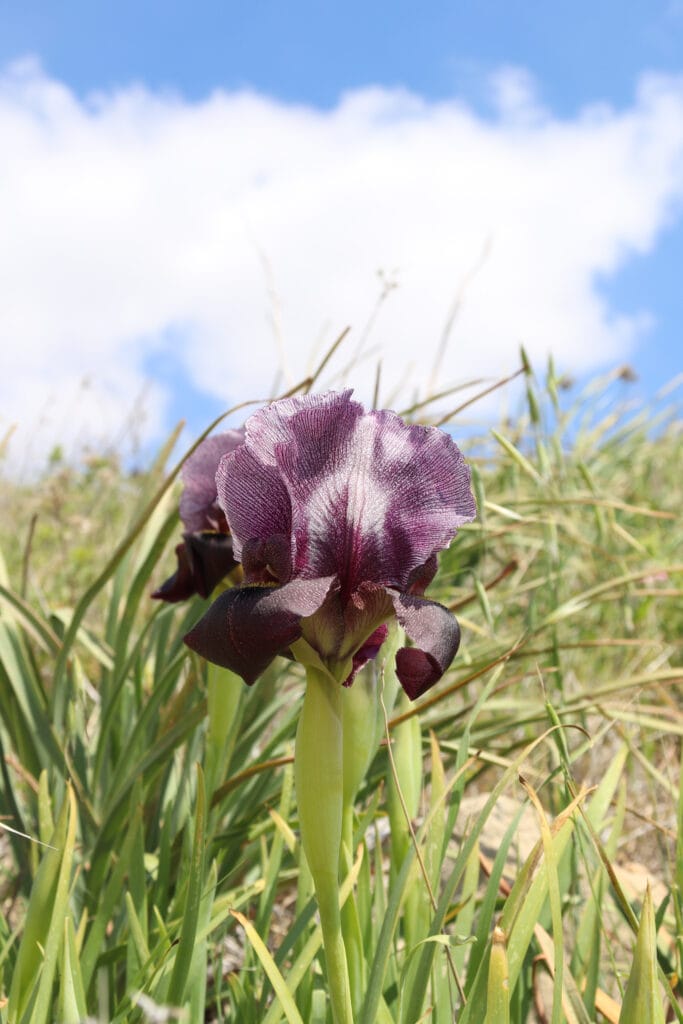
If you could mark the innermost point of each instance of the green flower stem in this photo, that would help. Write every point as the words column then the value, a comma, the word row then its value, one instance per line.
column 362, row 723
column 350, row 921
column 319, row 779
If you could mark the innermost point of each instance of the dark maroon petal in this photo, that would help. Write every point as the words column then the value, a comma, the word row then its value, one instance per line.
column 368, row 652
column 436, row 634
column 417, row 671
column 246, row 627
column 204, row 559
column 181, row 585
column 212, row 559
column 198, row 508
column 267, row 561
column 420, row 578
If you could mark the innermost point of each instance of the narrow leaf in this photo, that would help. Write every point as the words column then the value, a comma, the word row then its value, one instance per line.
column 642, row 999
column 277, row 981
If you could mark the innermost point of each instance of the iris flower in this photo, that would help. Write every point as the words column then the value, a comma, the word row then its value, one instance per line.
column 336, row 515
column 205, row 556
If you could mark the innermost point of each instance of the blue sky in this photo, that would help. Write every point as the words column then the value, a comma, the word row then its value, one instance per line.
column 353, row 91
column 312, row 52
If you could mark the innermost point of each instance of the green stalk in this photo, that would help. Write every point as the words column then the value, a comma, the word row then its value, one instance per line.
column 350, row 921
column 319, row 780
column 361, row 721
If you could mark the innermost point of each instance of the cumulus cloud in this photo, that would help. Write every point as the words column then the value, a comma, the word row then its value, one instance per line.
column 236, row 236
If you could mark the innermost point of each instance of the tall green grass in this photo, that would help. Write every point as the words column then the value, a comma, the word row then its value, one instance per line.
column 151, row 867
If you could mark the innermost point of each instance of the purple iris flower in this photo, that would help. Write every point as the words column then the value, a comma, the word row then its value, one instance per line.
column 337, row 516
column 205, row 556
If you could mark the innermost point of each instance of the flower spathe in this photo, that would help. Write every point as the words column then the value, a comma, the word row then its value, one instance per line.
column 337, row 516
column 205, row 556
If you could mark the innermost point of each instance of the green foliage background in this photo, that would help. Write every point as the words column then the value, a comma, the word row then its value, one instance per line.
column 155, row 799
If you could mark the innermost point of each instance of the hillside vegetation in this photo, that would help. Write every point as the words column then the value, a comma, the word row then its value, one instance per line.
column 150, row 860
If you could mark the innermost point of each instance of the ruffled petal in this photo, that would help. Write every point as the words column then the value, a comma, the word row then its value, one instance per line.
column 198, row 508
column 371, row 498
column 254, row 499
column 322, row 490
column 246, row 627
column 411, row 495
column 436, row 634
column 289, row 418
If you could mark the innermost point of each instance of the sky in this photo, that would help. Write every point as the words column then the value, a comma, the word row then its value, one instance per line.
column 196, row 199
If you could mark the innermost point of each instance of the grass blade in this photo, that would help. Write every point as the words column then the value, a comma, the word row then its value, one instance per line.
column 279, row 984
column 195, row 885
column 498, row 989
column 642, row 999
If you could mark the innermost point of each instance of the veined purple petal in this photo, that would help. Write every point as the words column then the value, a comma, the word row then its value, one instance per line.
column 254, row 499
column 364, row 496
column 204, row 559
column 372, row 498
column 198, row 508
column 246, row 627
column 252, row 490
column 289, row 418
column 321, row 490
column 436, row 634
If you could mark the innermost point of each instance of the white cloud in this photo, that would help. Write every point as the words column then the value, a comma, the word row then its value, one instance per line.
column 132, row 222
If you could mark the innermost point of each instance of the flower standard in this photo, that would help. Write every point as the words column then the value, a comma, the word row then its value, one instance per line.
column 336, row 516
column 205, row 556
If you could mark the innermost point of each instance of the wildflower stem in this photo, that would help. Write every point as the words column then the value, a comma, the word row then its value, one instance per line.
column 319, row 779
column 362, row 729
column 350, row 923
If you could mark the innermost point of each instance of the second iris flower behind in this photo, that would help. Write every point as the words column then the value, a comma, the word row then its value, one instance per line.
column 337, row 516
